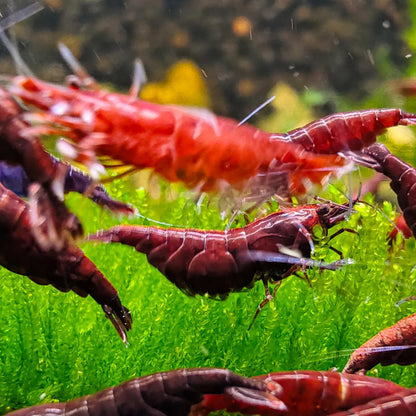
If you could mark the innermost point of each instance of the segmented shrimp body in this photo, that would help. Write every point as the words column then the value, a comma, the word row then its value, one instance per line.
column 195, row 147
column 397, row 404
column 218, row 262
column 381, row 348
column 66, row 268
column 345, row 132
column 170, row 393
column 403, row 180
column 308, row 393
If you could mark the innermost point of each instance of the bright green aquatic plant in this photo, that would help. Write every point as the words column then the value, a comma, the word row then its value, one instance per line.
column 55, row 346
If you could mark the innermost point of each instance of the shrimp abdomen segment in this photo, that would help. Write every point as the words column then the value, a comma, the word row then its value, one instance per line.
column 353, row 130
column 214, row 269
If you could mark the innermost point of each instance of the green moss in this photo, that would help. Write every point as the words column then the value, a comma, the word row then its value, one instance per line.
column 56, row 346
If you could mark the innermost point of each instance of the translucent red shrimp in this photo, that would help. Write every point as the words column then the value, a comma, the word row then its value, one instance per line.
column 393, row 345
column 195, row 147
column 219, row 262
column 66, row 268
column 307, row 393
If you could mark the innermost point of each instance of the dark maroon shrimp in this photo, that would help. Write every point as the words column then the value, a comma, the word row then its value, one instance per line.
column 169, row 393
column 66, row 268
column 343, row 132
column 403, row 180
column 393, row 345
column 18, row 147
column 308, row 393
column 397, row 404
column 219, row 262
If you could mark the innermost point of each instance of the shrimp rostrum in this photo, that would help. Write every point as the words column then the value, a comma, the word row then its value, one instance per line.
column 219, row 262
column 66, row 268
column 170, row 393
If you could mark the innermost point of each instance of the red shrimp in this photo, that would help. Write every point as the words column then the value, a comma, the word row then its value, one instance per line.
column 194, row 147
column 78, row 181
column 393, row 345
column 66, row 268
column 400, row 226
column 308, row 393
column 18, row 146
column 169, row 393
column 403, row 180
column 397, row 404
column 219, row 262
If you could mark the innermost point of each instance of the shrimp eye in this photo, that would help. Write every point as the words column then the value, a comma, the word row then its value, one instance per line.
column 323, row 210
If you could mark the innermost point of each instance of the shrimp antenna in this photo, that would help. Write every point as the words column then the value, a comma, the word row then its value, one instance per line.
column 76, row 67
column 139, row 78
column 20, row 15
column 260, row 107
column 400, row 302
column 11, row 20
column 328, row 201
column 137, row 214
column 346, row 352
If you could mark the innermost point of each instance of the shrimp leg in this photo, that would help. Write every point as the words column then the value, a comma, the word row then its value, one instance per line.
column 66, row 268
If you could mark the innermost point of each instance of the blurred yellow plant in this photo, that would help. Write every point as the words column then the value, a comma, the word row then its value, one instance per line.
column 184, row 85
